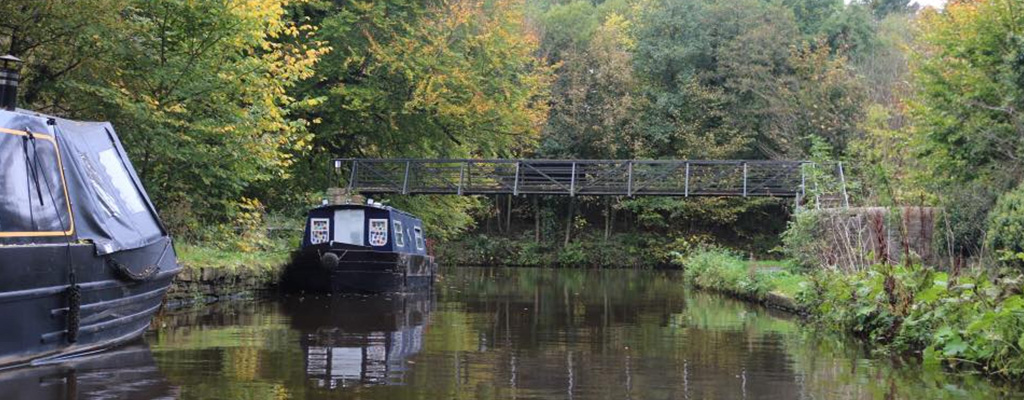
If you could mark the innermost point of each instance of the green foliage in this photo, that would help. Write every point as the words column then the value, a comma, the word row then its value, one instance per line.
column 1005, row 235
column 722, row 270
column 967, row 70
column 588, row 250
column 966, row 321
column 197, row 90
column 804, row 239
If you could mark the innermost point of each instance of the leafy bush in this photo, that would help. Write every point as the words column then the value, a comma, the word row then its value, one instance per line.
column 802, row 240
column 964, row 321
column 721, row 270
column 1005, row 233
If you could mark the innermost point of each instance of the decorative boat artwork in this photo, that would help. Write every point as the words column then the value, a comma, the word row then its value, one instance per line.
column 84, row 256
column 361, row 248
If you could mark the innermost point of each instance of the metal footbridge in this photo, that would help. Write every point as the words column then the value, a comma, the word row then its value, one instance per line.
column 732, row 178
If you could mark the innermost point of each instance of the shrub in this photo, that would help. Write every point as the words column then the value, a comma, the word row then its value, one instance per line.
column 1005, row 235
column 802, row 240
column 722, row 270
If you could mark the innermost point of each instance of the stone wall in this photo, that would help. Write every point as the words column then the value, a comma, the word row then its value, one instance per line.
column 204, row 285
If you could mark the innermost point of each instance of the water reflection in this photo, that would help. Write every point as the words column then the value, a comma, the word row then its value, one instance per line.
column 529, row 334
column 365, row 340
column 127, row 372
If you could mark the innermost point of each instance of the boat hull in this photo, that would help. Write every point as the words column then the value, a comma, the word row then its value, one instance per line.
column 119, row 294
column 357, row 270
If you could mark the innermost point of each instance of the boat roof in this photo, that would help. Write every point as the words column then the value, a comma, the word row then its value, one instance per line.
column 365, row 207
column 92, row 191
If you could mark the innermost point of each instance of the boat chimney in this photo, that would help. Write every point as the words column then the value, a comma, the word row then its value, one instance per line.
column 9, row 77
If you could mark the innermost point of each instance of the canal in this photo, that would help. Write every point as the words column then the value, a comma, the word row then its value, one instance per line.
column 489, row 333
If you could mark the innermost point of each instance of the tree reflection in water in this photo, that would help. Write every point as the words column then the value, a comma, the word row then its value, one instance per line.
column 529, row 333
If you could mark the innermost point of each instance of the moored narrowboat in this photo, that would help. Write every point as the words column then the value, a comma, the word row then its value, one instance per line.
column 361, row 248
column 84, row 257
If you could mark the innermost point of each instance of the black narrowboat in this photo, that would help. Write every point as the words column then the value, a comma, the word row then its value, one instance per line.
column 352, row 248
column 84, row 257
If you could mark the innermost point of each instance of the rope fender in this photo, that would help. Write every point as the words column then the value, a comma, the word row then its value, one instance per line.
column 74, row 312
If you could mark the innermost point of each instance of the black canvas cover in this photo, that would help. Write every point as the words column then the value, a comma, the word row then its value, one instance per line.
column 108, row 205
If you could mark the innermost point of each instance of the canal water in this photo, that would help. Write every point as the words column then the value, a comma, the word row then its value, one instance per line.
column 487, row 333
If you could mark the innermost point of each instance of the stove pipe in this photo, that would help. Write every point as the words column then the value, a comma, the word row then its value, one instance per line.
column 9, row 76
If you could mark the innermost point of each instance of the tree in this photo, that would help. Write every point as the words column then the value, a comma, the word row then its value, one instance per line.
column 453, row 78
column 967, row 67
column 593, row 99
column 197, row 90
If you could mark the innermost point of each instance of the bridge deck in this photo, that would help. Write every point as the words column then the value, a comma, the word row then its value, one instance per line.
column 577, row 177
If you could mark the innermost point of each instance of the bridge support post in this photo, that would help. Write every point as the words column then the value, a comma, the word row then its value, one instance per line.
column 462, row 177
column 744, row 179
column 352, row 179
column 686, row 183
column 629, row 178
column 405, row 181
column 515, row 185
column 842, row 183
column 572, row 181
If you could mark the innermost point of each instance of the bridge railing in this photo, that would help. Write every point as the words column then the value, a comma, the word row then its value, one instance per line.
column 745, row 178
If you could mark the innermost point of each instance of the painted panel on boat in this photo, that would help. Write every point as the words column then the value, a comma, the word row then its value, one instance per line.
column 378, row 231
column 377, row 220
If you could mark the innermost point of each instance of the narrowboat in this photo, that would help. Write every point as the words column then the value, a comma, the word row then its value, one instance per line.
column 84, row 257
column 361, row 248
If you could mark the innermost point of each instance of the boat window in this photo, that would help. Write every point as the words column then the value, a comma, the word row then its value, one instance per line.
column 348, row 227
column 122, row 183
column 419, row 237
column 399, row 234
column 33, row 201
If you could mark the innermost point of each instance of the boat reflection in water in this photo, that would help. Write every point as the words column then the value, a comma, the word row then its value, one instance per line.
column 360, row 340
column 122, row 373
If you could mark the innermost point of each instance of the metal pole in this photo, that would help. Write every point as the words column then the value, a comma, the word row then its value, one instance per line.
column 629, row 179
column 686, row 184
column 842, row 181
column 744, row 179
column 817, row 195
column 352, row 179
column 462, row 177
column 803, row 180
column 572, row 182
column 405, row 182
column 515, row 186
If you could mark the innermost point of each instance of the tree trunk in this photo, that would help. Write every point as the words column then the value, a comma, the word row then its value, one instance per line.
column 607, row 218
column 508, row 216
column 536, row 220
column 568, row 222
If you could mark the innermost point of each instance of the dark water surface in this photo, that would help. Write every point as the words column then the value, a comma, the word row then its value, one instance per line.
column 506, row 334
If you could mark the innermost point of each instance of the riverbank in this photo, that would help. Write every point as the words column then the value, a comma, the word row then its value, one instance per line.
column 971, row 322
column 211, row 274
column 589, row 249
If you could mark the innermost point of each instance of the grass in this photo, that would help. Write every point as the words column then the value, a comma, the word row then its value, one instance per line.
column 721, row 270
column 200, row 255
